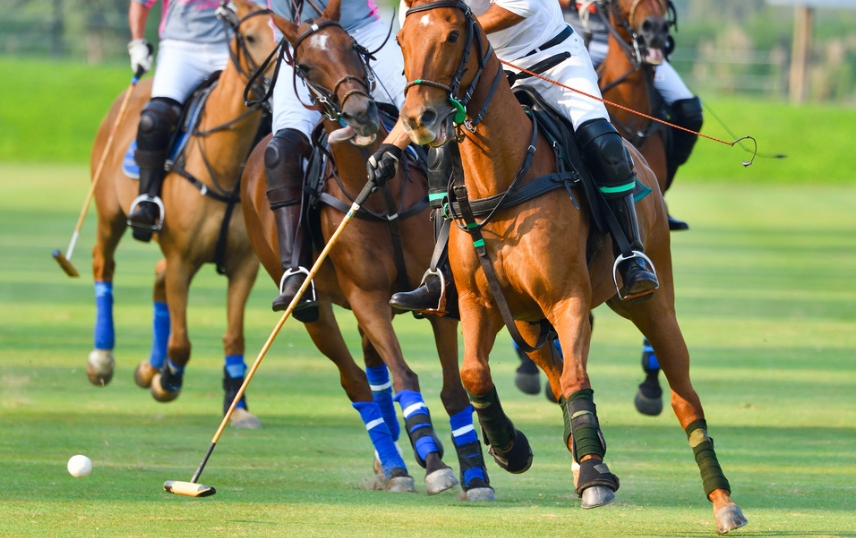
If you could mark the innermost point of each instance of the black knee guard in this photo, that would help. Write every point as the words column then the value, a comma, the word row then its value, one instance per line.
column 607, row 158
column 158, row 121
column 686, row 113
column 439, row 172
column 581, row 422
column 283, row 158
column 702, row 444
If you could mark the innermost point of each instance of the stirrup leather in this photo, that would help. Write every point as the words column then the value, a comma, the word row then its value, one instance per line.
column 298, row 271
column 158, row 225
column 620, row 258
column 441, row 304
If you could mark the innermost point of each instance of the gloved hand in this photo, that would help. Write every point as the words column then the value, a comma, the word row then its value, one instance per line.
column 383, row 165
column 140, row 51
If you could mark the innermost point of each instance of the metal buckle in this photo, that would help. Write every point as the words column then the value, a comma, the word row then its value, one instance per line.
column 299, row 270
column 620, row 258
column 158, row 225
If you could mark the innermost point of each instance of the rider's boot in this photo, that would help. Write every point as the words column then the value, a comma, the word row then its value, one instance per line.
column 158, row 120
column 686, row 113
column 284, row 158
column 613, row 170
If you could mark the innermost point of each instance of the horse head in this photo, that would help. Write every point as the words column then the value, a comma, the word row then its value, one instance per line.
column 646, row 27
column 335, row 69
column 436, row 40
column 253, row 39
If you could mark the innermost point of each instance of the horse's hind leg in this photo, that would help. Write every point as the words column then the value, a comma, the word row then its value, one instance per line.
column 474, row 478
column 392, row 474
column 241, row 280
column 656, row 319
column 101, row 363
column 147, row 369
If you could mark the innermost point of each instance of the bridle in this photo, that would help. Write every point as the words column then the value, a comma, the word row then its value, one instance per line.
column 459, row 104
column 633, row 49
column 227, row 15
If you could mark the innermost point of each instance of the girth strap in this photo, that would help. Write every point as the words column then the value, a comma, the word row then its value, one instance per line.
column 524, row 193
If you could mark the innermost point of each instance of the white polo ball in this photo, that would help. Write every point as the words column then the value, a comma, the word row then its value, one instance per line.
column 79, row 466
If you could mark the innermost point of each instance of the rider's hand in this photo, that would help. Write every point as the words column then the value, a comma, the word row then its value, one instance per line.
column 140, row 51
column 383, row 165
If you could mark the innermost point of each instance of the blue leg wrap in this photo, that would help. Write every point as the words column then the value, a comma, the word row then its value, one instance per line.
column 161, row 335
column 381, row 386
column 380, row 436
column 649, row 359
column 467, row 445
column 235, row 369
column 105, row 336
column 417, row 420
column 176, row 370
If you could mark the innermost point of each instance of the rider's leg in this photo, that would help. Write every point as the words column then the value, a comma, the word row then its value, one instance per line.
column 284, row 158
column 157, row 124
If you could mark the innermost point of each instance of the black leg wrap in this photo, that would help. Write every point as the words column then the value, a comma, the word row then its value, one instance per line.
column 702, row 444
column 231, row 385
column 169, row 381
column 419, row 426
column 470, row 457
column 594, row 472
column 580, row 416
column 508, row 446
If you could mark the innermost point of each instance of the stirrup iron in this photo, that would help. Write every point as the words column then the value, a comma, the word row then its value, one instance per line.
column 620, row 258
column 441, row 304
column 299, row 270
column 158, row 225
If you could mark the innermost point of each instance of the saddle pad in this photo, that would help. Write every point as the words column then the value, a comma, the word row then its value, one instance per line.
column 129, row 165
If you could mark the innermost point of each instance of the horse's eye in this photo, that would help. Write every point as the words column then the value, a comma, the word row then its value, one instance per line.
column 453, row 37
column 303, row 68
column 251, row 39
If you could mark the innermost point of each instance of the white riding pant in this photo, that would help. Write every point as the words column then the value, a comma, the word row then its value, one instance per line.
column 183, row 65
column 576, row 72
column 289, row 113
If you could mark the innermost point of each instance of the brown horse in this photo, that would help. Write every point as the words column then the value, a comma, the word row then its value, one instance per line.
column 361, row 271
column 193, row 221
column 537, row 250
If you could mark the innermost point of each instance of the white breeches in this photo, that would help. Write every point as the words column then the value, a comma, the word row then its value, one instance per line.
column 182, row 65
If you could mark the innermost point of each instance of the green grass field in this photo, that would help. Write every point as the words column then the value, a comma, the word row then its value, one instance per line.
column 765, row 298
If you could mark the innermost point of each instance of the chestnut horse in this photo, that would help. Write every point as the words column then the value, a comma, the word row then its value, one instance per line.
column 193, row 221
column 537, row 251
column 361, row 272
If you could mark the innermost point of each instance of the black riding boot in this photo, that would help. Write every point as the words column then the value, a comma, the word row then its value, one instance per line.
column 157, row 123
column 639, row 281
column 284, row 173
column 685, row 113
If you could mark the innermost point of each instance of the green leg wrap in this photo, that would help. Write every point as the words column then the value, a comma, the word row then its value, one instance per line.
column 496, row 426
column 580, row 416
column 702, row 444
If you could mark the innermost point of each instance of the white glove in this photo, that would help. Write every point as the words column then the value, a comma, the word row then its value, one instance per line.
column 141, row 56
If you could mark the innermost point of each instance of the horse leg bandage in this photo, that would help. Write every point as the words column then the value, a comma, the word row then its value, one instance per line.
column 594, row 472
column 702, row 444
column 417, row 420
column 508, row 446
column 388, row 455
column 105, row 336
column 381, row 386
column 160, row 335
column 468, row 447
column 234, row 368
column 581, row 422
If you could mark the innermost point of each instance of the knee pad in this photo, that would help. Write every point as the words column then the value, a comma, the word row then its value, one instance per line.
column 439, row 172
column 606, row 155
column 283, row 160
column 688, row 113
column 158, row 120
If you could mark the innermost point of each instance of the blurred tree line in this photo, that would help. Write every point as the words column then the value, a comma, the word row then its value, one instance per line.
column 737, row 46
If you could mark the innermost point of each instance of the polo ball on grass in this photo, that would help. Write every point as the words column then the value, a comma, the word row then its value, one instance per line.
column 79, row 466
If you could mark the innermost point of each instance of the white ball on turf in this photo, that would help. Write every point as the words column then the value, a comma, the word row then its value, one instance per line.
column 79, row 466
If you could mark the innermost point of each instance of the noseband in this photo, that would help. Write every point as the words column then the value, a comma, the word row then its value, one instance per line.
column 459, row 104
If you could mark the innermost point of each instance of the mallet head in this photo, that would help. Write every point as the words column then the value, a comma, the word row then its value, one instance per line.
column 188, row 489
column 65, row 264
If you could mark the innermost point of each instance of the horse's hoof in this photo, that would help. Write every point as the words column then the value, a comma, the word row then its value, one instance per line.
column 648, row 406
column 143, row 374
column 528, row 383
column 401, row 484
column 242, row 419
column 729, row 518
column 440, row 480
column 161, row 394
column 597, row 496
column 480, row 494
column 99, row 367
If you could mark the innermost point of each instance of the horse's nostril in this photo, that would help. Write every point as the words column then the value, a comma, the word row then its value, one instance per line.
column 429, row 116
column 647, row 25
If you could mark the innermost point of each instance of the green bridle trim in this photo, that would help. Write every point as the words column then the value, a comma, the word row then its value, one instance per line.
column 460, row 111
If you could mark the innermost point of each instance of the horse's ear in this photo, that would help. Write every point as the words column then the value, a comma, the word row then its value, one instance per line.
column 288, row 28
column 333, row 10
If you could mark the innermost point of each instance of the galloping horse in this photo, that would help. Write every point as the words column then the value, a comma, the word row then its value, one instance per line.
column 197, row 219
column 363, row 269
column 539, row 253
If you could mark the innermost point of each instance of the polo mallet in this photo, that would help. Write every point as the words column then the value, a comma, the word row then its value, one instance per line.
column 194, row 489
column 65, row 261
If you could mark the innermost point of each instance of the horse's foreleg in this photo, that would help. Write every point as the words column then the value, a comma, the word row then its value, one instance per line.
column 328, row 339
column 101, row 363
column 241, row 280
column 146, row 370
column 547, row 358
column 381, row 385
